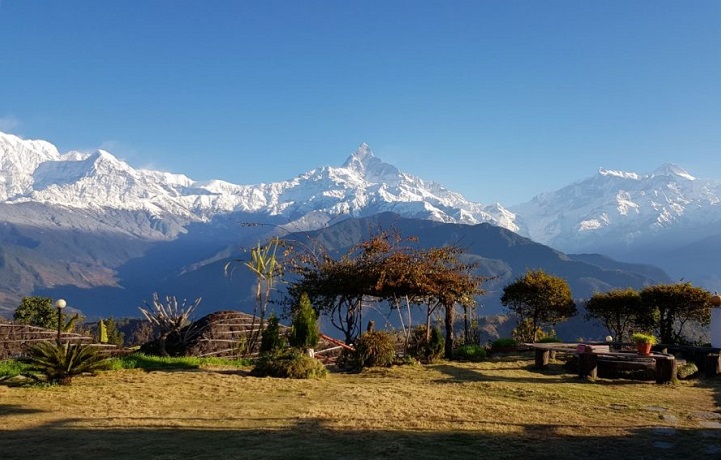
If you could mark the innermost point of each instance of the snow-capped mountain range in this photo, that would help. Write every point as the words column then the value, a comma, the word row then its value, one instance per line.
column 34, row 171
column 91, row 221
column 615, row 211
column 609, row 212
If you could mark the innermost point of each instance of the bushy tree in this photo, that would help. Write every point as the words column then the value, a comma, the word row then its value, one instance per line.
column 540, row 298
column 40, row 311
column 37, row 311
column 674, row 305
column 304, row 332
column 386, row 267
column 620, row 311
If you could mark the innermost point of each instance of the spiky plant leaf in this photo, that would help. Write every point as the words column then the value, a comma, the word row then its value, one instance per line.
column 60, row 363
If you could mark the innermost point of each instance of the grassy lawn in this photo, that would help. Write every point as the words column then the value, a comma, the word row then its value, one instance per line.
column 501, row 408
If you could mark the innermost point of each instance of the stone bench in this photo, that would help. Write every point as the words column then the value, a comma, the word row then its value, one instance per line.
column 589, row 356
column 666, row 365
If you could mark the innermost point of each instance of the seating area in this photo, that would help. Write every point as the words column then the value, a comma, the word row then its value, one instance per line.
column 590, row 356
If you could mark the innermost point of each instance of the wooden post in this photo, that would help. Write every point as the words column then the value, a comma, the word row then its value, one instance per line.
column 712, row 365
column 587, row 366
column 666, row 370
column 542, row 358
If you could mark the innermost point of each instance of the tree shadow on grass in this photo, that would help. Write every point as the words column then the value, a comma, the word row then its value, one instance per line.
column 13, row 409
column 713, row 384
column 462, row 374
column 317, row 438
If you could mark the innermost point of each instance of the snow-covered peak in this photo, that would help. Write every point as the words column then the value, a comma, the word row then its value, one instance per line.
column 621, row 174
column 371, row 168
column 358, row 159
column 670, row 169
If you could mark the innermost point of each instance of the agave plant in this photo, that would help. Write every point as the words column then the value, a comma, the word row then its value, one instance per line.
column 171, row 317
column 61, row 362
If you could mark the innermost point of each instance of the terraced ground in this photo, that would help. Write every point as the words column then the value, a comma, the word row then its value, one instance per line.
column 500, row 408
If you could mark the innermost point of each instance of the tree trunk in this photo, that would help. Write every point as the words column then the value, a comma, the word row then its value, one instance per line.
column 466, row 325
column 161, row 343
column 449, row 332
column 428, row 324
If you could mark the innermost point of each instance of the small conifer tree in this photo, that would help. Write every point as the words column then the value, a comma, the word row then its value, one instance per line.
column 271, row 340
column 436, row 345
column 304, row 332
column 114, row 335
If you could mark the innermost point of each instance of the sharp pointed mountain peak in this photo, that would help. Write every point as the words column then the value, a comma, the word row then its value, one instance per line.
column 360, row 158
column 370, row 167
column 670, row 169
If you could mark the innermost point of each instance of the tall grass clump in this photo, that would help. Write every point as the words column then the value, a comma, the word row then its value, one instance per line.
column 375, row 349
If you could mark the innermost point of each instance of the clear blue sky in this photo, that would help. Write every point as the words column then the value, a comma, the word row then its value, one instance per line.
column 499, row 100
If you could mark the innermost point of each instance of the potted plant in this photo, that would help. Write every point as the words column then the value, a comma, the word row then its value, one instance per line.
column 643, row 342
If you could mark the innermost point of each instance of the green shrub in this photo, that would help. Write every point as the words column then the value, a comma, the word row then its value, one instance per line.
column 271, row 340
column 304, row 332
column 423, row 349
column 470, row 353
column 406, row 360
column 437, row 345
column 12, row 368
column 289, row 364
column 550, row 339
column 375, row 349
column 687, row 371
column 60, row 363
column 504, row 343
column 37, row 311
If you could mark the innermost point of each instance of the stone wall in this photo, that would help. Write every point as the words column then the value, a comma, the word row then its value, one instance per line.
column 15, row 338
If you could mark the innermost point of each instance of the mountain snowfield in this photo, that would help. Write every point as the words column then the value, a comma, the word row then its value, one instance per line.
column 34, row 171
column 615, row 211
column 610, row 212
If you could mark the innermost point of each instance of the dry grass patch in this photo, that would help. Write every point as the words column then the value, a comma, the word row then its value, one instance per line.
column 495, row 409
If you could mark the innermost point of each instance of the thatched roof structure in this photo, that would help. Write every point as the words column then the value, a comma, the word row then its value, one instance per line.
column 224, row 334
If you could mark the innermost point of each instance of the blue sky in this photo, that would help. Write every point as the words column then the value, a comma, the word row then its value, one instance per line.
column 498, row 100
